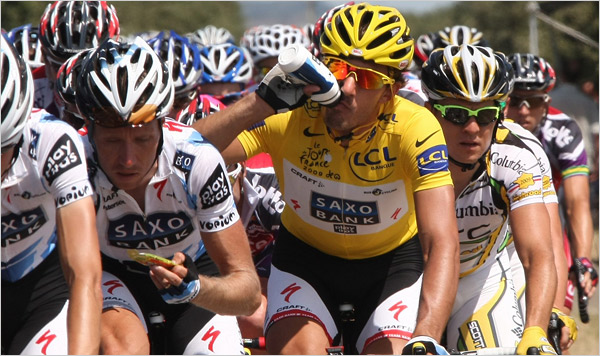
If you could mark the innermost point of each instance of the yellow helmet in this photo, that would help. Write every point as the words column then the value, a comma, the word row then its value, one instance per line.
column 373, row 33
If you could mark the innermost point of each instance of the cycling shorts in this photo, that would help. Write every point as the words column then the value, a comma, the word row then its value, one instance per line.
column 384, row 290
column 34, row 311
column 189, row 328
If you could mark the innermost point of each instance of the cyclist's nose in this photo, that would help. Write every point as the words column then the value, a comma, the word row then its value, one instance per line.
column 348, row 85
column 471, row 126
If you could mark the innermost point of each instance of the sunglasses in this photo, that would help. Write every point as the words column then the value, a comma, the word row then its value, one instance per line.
column 459, row 115
column 531, row 102
column 366, row 78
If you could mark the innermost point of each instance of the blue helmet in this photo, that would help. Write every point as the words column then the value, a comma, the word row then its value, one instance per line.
column 226, row 63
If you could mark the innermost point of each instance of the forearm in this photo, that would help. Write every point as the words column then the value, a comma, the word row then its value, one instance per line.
column 540, row 290
column 579, row 217
column 238, row 293
column 83, row 321
column 440, row 280
column 560, row 259
column 222, row 127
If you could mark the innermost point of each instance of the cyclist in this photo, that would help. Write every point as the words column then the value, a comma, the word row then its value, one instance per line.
column 161, row 188
column 183, row 59
column 66, row 87
column 228, row 70
column 529, row 106
column 66, row 28
column 357, row 180
column 51, row 269
column 497, row 179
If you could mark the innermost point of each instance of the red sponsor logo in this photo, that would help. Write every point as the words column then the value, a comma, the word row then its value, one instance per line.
column 113, row 285
column 159, row 186
column 296, row 205
column 291, row 289
column 211, row 334
column 46, row 339
column 399, row 307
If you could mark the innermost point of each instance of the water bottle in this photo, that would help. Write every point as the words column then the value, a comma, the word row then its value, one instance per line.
column 303, row 68
column 158, row 336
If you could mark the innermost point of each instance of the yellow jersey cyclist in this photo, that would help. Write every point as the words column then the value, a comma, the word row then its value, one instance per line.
column 358, row 180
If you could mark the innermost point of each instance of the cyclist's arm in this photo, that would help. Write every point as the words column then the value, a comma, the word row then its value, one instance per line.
column 438, row 234
column 80, row 259
column 560, row 259
column 222, row 127
column 579, row 217
column 531, row 229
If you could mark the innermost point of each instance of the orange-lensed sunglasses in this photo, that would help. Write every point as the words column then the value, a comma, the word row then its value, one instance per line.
column 366, row 78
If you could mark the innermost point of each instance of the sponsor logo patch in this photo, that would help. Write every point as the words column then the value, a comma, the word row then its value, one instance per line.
column 156, row 230
column 216, row 190
column 63, row 156
column 18, row 227
column 433, row 160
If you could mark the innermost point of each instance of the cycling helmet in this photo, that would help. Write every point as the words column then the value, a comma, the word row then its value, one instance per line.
column 67, row 27
column 424, row 45
column 199, row 108
column 269, row 41
column 211, row 35
column 26, row 41
column 532, row 72
column 466, row 72
column 318, row 28
column 373, row 33
column 67, row 77
column 123, row 84
column 226, row 63
column 248, row 36
column 459, row 34
column 182, row 58
column 17, row 94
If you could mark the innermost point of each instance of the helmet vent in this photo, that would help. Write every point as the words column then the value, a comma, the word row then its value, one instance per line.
column 122, row 87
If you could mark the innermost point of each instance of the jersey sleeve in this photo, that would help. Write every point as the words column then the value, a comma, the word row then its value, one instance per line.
column 520, row 177
column 424, row 144
column 258, row 138
column 215, row 207
column 572, row 157
column 61, row 160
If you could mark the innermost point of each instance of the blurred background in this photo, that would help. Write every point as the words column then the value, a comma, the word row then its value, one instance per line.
column 563, row 32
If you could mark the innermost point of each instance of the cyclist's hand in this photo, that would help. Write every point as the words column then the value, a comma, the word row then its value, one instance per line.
column 586, row 274
column 183, row 280
column 423, row 345
column 534, row 336
column 281, row 94
column 568, row 329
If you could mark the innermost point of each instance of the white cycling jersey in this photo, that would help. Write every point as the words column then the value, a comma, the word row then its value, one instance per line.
column 485, row 311
column 510, row 178
column 188, row 195
column 49, row 173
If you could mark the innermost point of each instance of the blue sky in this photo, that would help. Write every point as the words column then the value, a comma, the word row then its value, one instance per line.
column 302, row 12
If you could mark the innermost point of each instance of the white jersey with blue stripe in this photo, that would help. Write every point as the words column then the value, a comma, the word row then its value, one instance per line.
column 189, row 194
column 49, row 173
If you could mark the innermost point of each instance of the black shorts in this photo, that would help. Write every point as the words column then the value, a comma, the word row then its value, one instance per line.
column 365, row 283
column 182, row 321
column 32, row 302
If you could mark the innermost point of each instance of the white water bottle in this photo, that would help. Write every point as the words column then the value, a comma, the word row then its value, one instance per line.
column 303, row 68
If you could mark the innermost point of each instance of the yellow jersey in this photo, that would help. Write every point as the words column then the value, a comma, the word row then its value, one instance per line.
column 353, row 202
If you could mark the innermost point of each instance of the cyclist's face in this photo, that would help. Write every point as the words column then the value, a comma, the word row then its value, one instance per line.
column 466, row 143
column 358, row 106
column 127, row 154
column 527, row 113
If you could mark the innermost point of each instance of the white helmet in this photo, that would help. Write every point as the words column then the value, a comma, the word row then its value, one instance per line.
column 17, row 94
column 211, row 35
column 226, row 63
column 269, row 41
column 124, row 84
